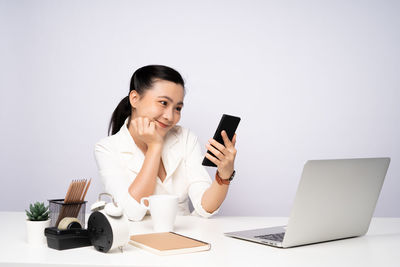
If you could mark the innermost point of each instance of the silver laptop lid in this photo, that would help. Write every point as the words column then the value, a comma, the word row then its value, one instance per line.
column 335, row 199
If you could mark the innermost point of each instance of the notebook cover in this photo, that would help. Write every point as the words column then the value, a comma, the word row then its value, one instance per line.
column 168, row 243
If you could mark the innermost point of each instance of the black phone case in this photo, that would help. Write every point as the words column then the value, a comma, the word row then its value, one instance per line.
column 229, row 124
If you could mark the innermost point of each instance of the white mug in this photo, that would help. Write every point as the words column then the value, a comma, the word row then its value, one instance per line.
column 163, row 210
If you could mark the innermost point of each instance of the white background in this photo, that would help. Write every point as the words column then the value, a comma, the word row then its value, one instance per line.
column 310, row 80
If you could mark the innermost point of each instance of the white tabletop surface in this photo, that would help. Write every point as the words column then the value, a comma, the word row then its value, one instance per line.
column 381, row 246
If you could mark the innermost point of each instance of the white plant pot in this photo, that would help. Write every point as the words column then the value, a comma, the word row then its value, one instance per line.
column 35, row 232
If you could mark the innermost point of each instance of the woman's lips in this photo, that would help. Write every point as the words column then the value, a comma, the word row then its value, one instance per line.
column 162, row 124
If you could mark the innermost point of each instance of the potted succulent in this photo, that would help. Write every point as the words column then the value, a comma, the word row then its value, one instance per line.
column 38, row 220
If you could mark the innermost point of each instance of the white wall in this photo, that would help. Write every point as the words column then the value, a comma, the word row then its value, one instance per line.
column 310, row 79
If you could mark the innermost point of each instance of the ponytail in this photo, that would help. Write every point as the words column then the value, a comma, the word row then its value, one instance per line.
column 142, row 80
column 121, row 112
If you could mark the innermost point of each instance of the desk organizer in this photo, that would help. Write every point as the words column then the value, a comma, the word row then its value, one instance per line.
column 59, row 210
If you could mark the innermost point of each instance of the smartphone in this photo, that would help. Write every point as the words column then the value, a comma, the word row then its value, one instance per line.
column 229, row 124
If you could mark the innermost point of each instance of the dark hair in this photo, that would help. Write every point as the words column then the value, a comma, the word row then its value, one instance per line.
column 142, row 80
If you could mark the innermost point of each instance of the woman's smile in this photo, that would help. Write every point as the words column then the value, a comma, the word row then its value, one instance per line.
column 163, row 125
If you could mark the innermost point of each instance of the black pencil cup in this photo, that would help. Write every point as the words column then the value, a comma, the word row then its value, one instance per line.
column 59, row 210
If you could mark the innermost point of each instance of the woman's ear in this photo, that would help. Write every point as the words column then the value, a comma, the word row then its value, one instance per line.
column 133, row 98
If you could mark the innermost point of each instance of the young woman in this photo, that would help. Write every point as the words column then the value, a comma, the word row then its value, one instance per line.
column 149, row 154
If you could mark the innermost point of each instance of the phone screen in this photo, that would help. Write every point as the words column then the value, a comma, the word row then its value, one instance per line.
column 228, row 123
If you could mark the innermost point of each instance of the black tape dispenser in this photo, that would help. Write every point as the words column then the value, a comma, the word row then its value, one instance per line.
column 69, row 234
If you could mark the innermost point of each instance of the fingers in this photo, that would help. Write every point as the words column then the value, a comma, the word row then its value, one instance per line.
column 152, row 126
column 216, row 145
column 146, row 131
column 228, row 143
column 143, row 125
column 226, row 140
column 234, row 140
column 146, row 126
column 216, row 152
column 221, row 152
column 212, row 159
column 134, row 125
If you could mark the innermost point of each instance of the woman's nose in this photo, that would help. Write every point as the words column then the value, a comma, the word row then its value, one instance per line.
column 169, row 114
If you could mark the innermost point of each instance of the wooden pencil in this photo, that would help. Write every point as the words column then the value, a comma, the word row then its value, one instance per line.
column 62, row 210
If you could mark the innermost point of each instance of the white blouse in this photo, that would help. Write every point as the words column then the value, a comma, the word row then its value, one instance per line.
column 119, row 161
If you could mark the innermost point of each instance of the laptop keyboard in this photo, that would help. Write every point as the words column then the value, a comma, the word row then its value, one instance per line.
column 275, row 237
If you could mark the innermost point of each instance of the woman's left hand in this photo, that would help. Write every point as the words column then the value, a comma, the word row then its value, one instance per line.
column 224, row 155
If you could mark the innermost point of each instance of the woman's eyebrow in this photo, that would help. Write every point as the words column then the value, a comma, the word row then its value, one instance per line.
column 170, row 99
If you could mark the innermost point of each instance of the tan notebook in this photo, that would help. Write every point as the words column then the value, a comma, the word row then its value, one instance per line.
column 168, row 243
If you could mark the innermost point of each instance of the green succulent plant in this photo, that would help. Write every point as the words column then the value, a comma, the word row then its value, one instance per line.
column 38, row 212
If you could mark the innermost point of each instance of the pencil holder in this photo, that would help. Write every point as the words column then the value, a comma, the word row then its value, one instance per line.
column 59, row 210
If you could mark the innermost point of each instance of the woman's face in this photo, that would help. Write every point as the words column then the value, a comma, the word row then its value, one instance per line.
column 162, row 103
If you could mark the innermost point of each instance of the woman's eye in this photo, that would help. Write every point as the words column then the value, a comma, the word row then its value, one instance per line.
column 179, row 109
column 164, row 103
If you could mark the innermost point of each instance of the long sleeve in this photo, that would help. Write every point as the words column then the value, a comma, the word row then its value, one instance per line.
column 199, row 179
column 116, row 179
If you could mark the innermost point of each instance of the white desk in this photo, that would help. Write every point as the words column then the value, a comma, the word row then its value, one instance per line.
column 381, row 246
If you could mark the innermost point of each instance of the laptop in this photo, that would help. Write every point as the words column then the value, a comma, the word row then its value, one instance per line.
column 335, row 199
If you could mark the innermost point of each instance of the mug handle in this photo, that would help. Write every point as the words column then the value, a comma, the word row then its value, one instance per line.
column 142, row 202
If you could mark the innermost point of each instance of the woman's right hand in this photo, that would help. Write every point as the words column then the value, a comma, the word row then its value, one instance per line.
column 145, row 130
